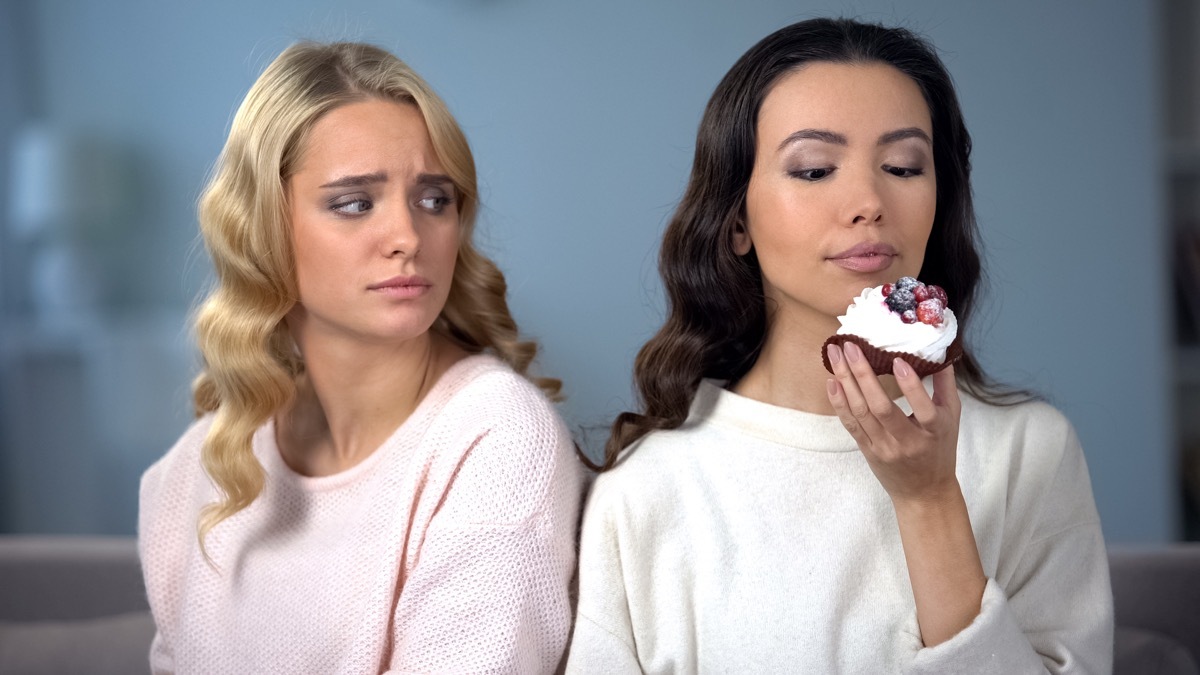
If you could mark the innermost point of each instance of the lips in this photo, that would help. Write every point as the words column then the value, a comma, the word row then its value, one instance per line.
column 400, row 282
column 867, row 256
column 402, row 287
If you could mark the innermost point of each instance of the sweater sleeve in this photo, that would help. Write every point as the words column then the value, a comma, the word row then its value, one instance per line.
column 161, row 659
column 489, row 591
column 603, row 639
column 166, row 525
column 161, row 662
column 1053, row 613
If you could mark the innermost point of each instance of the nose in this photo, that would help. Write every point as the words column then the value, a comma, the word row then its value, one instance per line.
column 865, row 204
column 400, row 238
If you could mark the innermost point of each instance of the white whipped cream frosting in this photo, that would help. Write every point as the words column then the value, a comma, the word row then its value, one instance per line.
column 869, row 318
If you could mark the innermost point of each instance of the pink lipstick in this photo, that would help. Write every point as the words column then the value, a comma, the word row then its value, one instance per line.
column 866, row 257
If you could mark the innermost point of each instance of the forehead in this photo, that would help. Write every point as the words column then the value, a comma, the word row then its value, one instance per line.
column 368, row 132
column 847, row 98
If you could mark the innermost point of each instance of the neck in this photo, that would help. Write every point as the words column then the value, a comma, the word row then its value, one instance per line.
column 354, row 395
column 789, row 372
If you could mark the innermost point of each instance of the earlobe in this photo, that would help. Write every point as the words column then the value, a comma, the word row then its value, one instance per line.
column 741, row 239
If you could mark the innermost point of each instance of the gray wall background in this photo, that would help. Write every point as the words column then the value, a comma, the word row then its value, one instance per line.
column 583, row 117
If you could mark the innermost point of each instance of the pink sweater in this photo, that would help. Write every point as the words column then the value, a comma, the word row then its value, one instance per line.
column 449, row 549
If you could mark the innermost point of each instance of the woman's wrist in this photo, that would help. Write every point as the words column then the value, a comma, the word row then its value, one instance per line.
column 936, row 500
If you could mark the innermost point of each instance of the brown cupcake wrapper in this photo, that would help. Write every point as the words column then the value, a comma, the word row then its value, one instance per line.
column 881, row 360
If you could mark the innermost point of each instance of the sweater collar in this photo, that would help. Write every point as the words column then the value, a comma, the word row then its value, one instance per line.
column 784, row 426
column 451, row 382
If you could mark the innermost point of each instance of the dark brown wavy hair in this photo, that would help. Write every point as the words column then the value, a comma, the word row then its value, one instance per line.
column 717, row 320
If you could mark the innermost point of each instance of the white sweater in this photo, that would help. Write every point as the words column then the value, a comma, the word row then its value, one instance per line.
column 449, row 549
column 755, row 539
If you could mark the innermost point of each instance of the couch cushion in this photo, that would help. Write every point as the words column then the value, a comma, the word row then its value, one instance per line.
column 1145, row 652
column 1158, row 589
column 68, row 578
column 114, row 645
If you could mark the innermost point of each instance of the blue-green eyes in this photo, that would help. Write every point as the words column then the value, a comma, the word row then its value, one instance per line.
column 434, row 203
column 352, row 207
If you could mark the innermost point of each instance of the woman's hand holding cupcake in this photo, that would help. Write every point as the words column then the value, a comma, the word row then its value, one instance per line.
column 913, row 456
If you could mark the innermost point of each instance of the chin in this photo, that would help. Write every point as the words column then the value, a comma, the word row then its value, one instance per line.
column 395, row 333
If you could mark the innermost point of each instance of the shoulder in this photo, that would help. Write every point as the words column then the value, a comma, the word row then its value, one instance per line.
column 1029, row 423
column 482, row 390
column 656, row 471
column 1029, row 459
column 173, row 491
column 180, row 465
column 515, row 452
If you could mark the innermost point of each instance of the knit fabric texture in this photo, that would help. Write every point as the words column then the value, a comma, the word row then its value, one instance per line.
column 756, row 539
column 448, row 549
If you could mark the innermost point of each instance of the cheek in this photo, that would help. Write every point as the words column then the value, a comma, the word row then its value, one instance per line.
column 921, row 210
column 449, row 246
column 320, row 261
column 302, row 251
column 445, row 254
column 780, row 222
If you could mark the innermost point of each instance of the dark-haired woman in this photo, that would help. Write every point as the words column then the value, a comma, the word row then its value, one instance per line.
column 764, row 516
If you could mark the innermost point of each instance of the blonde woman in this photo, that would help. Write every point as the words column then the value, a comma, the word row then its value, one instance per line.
column 372, row 484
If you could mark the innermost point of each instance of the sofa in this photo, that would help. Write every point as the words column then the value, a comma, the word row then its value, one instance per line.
column 77, row 605
column 72, row 605
column 1156, row 593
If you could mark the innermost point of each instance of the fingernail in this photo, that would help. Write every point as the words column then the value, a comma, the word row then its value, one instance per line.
column 831, row 386
column 900, row 367
column 852, row 352
column 835, row 355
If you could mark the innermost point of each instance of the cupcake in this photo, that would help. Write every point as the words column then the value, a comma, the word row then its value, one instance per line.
column 907, row 320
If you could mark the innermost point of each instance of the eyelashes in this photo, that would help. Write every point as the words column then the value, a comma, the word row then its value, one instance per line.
column 355, row 206
column 904, row 171
column 811, row 175
column 435, row 203
column 819, row 173
column 351, row 207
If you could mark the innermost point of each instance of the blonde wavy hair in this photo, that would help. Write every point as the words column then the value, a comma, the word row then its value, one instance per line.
column 251, row 366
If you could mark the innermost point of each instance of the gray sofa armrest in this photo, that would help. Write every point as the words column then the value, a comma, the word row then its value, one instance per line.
column 57, row 578
column 1156, row 595
column 72, row 605
column 78, row 604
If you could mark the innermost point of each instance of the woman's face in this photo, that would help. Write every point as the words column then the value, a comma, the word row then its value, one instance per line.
column 374, row 225
column 843, row 192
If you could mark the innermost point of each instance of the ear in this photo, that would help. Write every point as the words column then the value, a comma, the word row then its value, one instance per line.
column 741, row 238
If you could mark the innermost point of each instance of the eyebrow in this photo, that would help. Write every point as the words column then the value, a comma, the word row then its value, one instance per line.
column 358, row 181
column 434, row 179
column 901, row 134
column 814, row 135
column 839, row 139
column 361, row 180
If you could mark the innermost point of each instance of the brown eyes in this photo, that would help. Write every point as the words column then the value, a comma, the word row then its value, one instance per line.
column 813, row 175
column 904, row 171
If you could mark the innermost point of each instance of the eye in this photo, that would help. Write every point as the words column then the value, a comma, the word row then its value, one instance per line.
column 434, row 202
column 811, row 174
column 352, row 207
column 903, row 171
